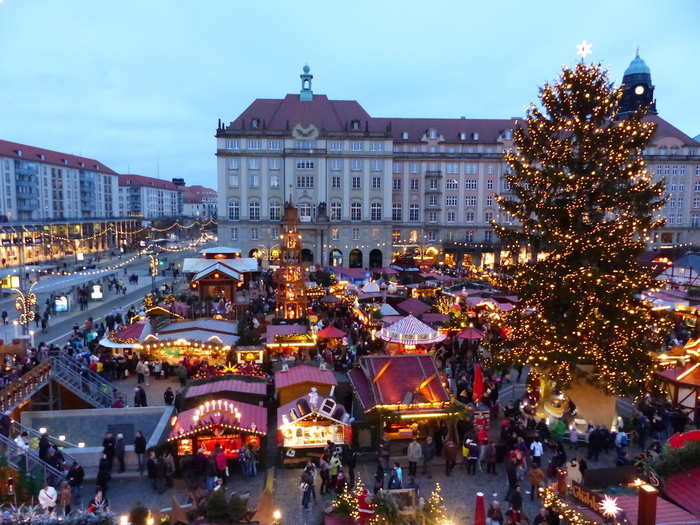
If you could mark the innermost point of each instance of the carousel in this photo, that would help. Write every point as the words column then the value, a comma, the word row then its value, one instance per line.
column 221, row 423
column 409, row 335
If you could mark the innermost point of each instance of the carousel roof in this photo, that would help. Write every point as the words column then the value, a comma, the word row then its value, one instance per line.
column 410, row 331
column 331, row 332
column 304, row 374
column 371, row 287
column 253, row 418
column 398, row 379
column 227, row 385
column 413, row 306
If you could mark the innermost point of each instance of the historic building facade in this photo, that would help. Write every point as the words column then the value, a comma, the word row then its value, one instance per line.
column 370, row 189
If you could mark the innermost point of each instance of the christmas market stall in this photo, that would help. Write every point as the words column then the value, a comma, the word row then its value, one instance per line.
column 221, row 423
column 288, row 340
column 409, row 335
column 204, row 340
column 127, row 338
column 311, row 421
column 297, row 381
column 404, row 392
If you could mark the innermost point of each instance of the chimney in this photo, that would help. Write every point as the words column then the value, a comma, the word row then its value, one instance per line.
column 646, row 512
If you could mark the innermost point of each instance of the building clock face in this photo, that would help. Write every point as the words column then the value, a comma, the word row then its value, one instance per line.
column 639, row 90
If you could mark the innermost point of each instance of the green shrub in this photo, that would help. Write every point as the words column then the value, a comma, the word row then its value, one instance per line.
column 672, row 461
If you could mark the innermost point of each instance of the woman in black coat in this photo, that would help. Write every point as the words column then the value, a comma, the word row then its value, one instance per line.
column 103, row 475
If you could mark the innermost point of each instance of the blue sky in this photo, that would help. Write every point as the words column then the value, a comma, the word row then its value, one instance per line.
column 140, row 84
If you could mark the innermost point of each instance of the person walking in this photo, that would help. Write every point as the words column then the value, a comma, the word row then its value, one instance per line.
column 169, row 396
column 490, row 457
column 65, row 498
column 415, row 454
column 103, row 474
column 108, row 449
column 47, row 498
column 152, row 469
column 140, row 451
column 536, row 450
column 76, row 474
column 450, row 453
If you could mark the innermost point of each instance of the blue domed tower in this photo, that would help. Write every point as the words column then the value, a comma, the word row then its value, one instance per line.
column 637, row 87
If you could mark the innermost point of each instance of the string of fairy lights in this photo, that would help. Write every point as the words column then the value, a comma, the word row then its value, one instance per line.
column 583, row 197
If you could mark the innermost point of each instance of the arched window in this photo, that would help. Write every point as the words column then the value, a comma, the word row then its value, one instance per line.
column 356, row 211
column 336, row 210
column 254, row 210
column 275, row 210
column 376, row 211
column 234, row 210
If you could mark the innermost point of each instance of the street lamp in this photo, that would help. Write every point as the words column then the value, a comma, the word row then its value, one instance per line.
column 277, row 517
column 25, row 303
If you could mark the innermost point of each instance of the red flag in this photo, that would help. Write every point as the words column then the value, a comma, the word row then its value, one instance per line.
column 478, row 385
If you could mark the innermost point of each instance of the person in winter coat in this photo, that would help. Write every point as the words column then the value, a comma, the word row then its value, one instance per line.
column 169, row 396
column 120, row 451
column 75, row 477
column 140, row 451
column 103, row 474
column 490, row 458
column 450, row 452
column 152, row 469
column 47, row 498
column 415, row 454
column 65, row 498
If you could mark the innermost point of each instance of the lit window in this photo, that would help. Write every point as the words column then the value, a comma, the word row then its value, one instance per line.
column 335, row 234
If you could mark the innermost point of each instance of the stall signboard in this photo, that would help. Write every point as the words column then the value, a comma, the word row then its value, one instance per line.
column 80, row 256
column 589, row 498
column 314, row 434
column 61, row 304
column 246, row 356
column 96, row 293
column 11, row 281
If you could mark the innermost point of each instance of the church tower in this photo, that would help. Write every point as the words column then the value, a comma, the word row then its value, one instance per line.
column 637, row 88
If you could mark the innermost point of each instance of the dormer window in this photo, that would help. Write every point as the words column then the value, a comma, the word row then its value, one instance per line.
column 18, row 152
column 475, row 136
column 508, row 134
column 65, row 162
column 404, row 135
column 42, row 156
column 81, row 164
column 432, row 133
column 255, row 123
column 462, row 136
column 355, row 124
column 96, row 167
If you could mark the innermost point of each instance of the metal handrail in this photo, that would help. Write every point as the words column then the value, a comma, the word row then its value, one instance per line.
column 28, row 461
column 16, row 429
column 83, row 381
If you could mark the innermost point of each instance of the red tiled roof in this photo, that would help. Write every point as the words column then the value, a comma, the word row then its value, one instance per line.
column 683, row 489
column 672, row 374
column 304, row 374
column 132, row 331
column 249, row 414
column 130, row 179
column 413, row 306
column 228, row 385
column 196, row 194
column 665, row 129
column 273, row 330
column 362, row 388
column 666, row 512
column 403, row 376
column 33, row 154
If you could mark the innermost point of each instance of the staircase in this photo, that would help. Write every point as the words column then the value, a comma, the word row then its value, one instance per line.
column 27, row 460
column 81, row 381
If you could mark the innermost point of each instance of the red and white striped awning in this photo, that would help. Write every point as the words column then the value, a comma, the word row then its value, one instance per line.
column 410, row 331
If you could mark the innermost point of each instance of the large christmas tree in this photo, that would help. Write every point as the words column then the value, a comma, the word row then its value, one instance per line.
column 586, row 204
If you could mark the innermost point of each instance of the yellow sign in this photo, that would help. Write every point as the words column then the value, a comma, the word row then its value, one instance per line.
column 11, row 281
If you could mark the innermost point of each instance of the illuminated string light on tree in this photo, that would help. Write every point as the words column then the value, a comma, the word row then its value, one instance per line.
column 585, row 203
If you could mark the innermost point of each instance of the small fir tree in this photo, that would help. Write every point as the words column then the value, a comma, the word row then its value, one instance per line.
column 587, row 205
column 434, row 511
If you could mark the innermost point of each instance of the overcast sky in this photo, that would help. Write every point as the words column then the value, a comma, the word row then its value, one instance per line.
column 140, row 84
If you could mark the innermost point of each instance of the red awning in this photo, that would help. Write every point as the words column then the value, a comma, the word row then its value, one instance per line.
column 470, row 333
column 331, row 332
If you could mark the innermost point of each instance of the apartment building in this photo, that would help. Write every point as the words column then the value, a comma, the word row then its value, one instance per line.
column 149, row 197
column 199, row 202
column 370, row 189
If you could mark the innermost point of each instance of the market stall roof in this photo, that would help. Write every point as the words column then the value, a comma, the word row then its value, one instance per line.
column 330, row 299
column 504, row 307
column 178, row 307
column 253, row 418
column 350, row 274
column 258, row 388
column 406, row 379
column 387, row 309
column 410, row 331
column 217, row 267
column 683, row 489
column 413, row 306
column 470, row 333
column 304, row 374
column 387, row 270
column 241, row 265
column 331, row 332
column 688, row 375
column 129, row 336
column 667, row 513
column 202, row 330
column 371, row 287
column 219, row 249
column 276, row 330
column 434, row 318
